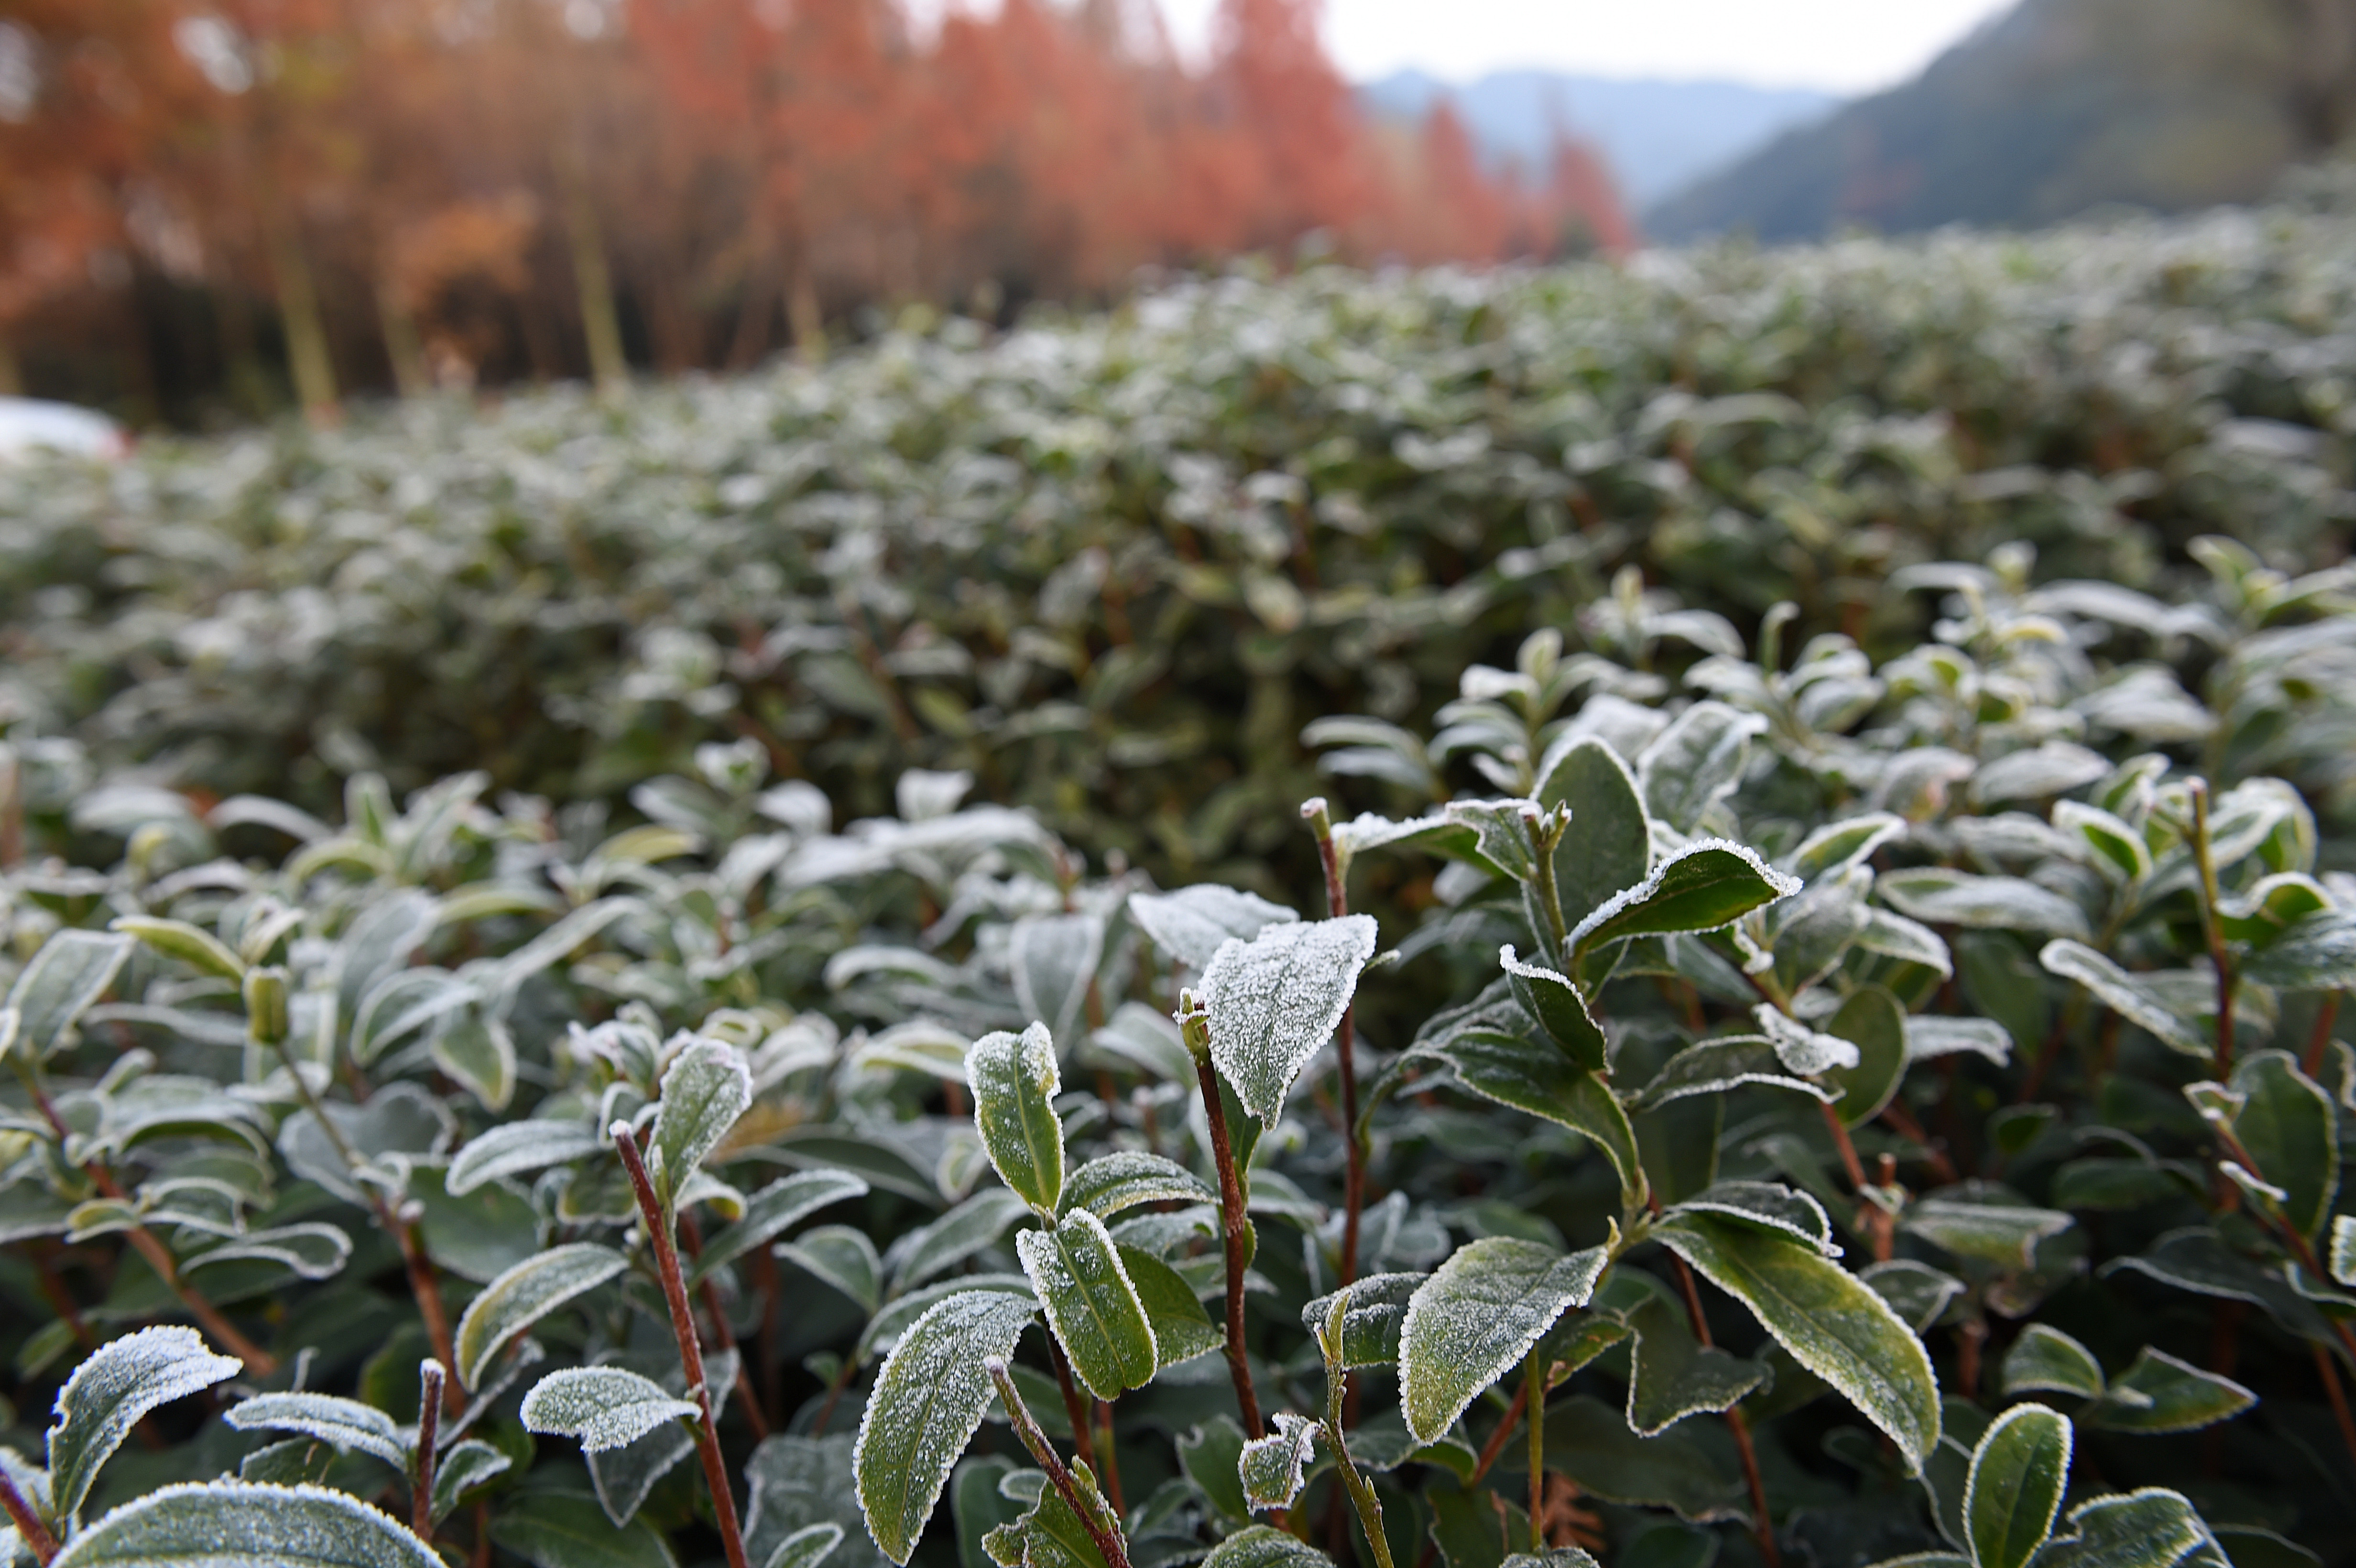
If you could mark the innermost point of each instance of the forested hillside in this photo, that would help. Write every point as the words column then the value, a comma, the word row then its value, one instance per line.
column 2059, row 107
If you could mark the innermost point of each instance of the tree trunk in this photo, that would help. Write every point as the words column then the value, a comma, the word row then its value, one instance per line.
column 803, row 316
column 402, row 347
column 12, row 379
column 601, row 323
column 307, row 358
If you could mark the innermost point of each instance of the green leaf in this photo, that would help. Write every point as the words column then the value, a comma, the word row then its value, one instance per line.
column 1262, row 1546
column 512, row 1148
column 2019, row 1473
column 2318, row 953
column 1695, row 761
column 345, row 1422
column 1545, row 1082
column 1871, row 1020
column 110, row 1392
column 2160, row 1394
column 1608, row 845
column 1476, row 1318
column 1837, row 845
column 842, row 1258
column 1939, row 897
column 1831, row 1322
column 2046, row 1359
column 1053, row 958
column 523, row 1295
column 1502, row 834
column 1015, row 1082
column 1189, row 925
column 1701, row 888
column 605, row 1407
column 558, row 1530
column 1560, row 1011
column 969, row 1227
column 1918, row 1293
column 2118, row 848
column 292, row 1463
column 218, row 1522
column 925, row 1405
column 1274, row 1002
column 1371, row 1321
column 707, row 1086
column 57, row 985
column 1589, row 1442
column 771, row 1212
column 2154, row 1528
column 1815, row 930
column 479, row 1055
column 469, row 1464
column 1109, row 1183
column 1182, row 1329
column 1091, row 1306
column 1712, row 1066
column 1781, row 1210
column 1675, row 1375
column 2342, row 1263
column 193, row 945
column 1271, row 1467
column 1050, row 1535
column 2124, row 994
column 807, row 1547
column 2004, row 1234
column 2289, row 1126
column 1210, row 1456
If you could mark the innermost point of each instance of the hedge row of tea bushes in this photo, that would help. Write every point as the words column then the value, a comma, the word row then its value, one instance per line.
column 1879, row 1109
column 1111, row 566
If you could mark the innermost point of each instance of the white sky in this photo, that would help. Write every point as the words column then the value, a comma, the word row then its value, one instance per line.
column 1843, row 45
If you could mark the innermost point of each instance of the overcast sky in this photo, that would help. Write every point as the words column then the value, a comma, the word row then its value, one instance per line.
column 1845, row 46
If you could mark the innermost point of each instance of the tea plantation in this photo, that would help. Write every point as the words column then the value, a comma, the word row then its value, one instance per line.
column 1656, row 917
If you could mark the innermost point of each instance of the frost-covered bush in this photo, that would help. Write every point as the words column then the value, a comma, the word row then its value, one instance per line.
column 1110, row 566
column 1823, row 1108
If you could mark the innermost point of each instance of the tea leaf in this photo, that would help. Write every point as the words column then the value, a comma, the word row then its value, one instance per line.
column 1270, row 1468
column 345, row 1423
column 2160, row 1394
column 1111, row 1183
column 707, row 1086
column 1091, row 1305
column 1476, row 1318
column 1015, row 1081
column 192, row 1525
column 605, row 1407
column 926, row 1404
column 1701, row 888
column 1189, row 925
column 110, row 1392
column 2018, row 1476
column 523, row 1295
column 2045, row 1359
column 71, row 971
column 1274, row 1002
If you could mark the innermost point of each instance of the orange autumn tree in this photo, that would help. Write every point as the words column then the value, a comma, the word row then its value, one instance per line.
column 507, row 188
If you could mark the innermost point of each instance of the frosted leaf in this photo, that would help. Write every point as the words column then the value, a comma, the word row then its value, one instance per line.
column 1371, row 1320
column 72, row 969
column 2153, row 1527
column 623, row 1476
column 1125, row 1178
column 1549, row 997
column 605, row 1407
column 1771, row 1205
column 1803, row 1050
column 2014, row 1488
column 1476, row 1318
column 1709, row 883
column 807, row 1547
column 1832, row 1322
column 1673, row 1375
column 514, row 1147
column 119, row 1382
column 1930, row 1037
column 1053, row 958
column 1264, row 1546
column 1274, row 1002
column 1271, row 1467
column 1015, row 1081
column 946, row 1241
column 927, row 1402
column 2343, row 1249
column 1189, row 925
column 469, row 1464
column 239, row 1524
column 2130, row 995
column 773, row 1209
column 706, row 1087
column 1092, row 1303
column 2045, row 1360
column 1719, row 1064
column 526, row 1294
column 345, row 1423
column 1941, row 897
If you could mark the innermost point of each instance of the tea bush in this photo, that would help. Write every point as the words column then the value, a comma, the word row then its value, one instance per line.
column 1112, row 566
column 1827, row 1106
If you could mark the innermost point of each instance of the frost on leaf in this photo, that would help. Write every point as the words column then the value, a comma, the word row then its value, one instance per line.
column 1189, row 925
column 1091, row 1303
column 1015, row 1081
column 107, row 1395
column 1271, row 1467
column 1802, row 1050
column 707, row 1086
column 241, row 1522
column 345, row 1423
column 927, row 1401
column 526, row 1294
column 1474, row 1320
column 605, row 1407
column 1274, row 1002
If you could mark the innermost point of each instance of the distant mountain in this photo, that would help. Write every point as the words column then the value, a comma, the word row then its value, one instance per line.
column 2055, row 108
column 1657, row 136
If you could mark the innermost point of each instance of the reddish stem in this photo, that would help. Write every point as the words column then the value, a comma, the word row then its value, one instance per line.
column 29, row 1528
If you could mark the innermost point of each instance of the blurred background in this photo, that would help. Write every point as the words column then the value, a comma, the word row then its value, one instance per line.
column 211, row 210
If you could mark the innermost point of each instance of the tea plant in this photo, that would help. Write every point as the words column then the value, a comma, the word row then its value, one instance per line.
column 1828, row 1107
